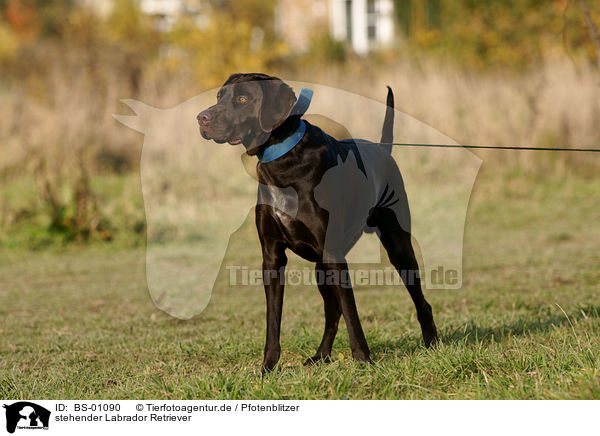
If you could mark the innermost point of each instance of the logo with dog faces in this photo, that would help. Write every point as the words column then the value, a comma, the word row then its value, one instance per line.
column 200, row 196
column 25, row 415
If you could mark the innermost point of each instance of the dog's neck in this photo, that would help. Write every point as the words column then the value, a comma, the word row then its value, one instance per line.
column 279, row 134
column 289, row 126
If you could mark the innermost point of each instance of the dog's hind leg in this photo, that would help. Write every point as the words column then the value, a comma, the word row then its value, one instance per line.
column 398, row 245
column 338, row 278
column 332, row 318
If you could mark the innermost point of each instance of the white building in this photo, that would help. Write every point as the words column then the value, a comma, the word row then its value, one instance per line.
column 365, row 24
column 164, row 12
column 167, row 12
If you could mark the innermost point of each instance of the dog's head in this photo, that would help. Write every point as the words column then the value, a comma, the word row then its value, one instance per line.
column 249, row 107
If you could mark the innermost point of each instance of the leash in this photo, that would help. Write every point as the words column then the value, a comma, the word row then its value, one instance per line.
column 489, row 147
column 302, row 103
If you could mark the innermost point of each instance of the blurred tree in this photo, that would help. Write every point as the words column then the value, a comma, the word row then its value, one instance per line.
column 9, row 43
column 22, row 17
column 37, row 17
column 257, row 13
column 128, row 25
column 514, row 33
column 593, row 30
column 324, row 48
column 230, row 38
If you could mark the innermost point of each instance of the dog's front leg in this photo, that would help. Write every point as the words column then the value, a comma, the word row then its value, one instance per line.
column 274, row 262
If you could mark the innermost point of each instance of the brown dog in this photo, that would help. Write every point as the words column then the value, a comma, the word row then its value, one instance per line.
column 317, row 196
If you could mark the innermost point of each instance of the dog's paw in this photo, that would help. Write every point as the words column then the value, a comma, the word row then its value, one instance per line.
column 430, row 336
column 317, row 358
column 270, row 362
column 361, row 356
column 267, row 368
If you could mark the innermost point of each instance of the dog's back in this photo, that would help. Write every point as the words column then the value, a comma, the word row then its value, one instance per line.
column 359, row 176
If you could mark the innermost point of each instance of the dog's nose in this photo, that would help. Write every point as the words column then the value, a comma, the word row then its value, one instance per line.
column 204, row 117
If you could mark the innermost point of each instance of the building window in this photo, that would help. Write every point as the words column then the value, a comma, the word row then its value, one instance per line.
column 349, row 20
column 370, row 6
column 371, row 20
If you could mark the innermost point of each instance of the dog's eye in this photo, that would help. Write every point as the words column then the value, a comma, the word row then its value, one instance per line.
column 242, row 99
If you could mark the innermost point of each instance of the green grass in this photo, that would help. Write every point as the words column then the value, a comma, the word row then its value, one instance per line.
column 25, row 220
column 79, row 323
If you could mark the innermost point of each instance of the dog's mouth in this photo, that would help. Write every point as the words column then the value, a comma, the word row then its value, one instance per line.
column 206, row 134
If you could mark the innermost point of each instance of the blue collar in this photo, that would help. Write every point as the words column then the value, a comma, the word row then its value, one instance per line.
column 278, row 149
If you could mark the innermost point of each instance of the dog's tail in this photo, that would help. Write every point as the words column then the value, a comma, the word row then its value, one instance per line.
column 387, row 132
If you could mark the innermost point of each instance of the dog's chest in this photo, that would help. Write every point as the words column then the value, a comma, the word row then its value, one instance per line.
column 302, row 222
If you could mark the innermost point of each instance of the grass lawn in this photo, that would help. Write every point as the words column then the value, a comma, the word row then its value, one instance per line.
column 79, row 323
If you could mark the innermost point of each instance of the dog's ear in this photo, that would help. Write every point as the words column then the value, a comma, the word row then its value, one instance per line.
column 278, row 101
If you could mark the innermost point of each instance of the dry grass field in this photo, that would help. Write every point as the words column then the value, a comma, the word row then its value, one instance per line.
column 97, row 219
column 78, row 321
